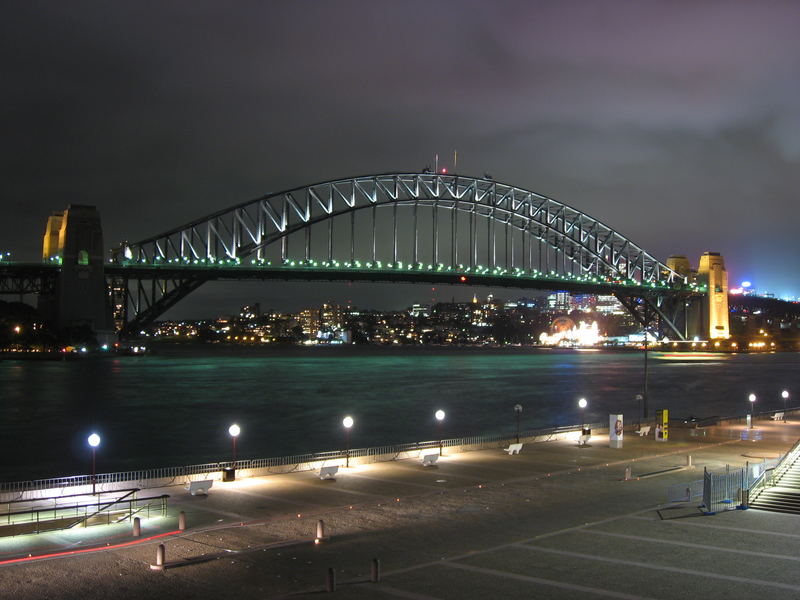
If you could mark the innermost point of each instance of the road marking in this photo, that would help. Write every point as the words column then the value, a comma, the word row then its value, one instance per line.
column 633, row 563
column 641, row 538
column 512, row 544
column 559, row 584
column 387, row 589
column 738, row 530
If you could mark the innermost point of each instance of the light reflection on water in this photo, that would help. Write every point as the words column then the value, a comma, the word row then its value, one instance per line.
column 175, row 407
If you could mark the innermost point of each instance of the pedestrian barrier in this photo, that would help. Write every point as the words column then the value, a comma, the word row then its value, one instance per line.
column 732, row 489
column 166, row 476
column 685, row 492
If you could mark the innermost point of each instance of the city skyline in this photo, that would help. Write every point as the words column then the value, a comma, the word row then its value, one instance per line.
column 673, row 124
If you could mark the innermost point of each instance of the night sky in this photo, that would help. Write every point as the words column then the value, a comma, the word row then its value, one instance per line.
column 677, row 123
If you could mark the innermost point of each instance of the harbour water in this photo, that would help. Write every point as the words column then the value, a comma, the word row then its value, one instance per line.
column 174, row 407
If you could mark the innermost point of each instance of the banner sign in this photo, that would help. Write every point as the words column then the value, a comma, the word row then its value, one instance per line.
column 615, row 431
column 662, row 425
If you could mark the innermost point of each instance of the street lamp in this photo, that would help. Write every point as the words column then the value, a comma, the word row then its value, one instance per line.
column 785, row 396
column 347, row 422
column 752, row 398
column 582, row 405
column 518, row 411
column 94, row 442
column 234, row 430
column 439, row 414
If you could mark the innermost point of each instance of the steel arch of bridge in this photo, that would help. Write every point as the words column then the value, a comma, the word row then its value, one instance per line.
column 465, row 224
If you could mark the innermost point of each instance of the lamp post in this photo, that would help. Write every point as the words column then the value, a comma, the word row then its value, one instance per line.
column 234, row 430
column 785, row 396
column 644, row 383
column 752, row 399
column 518, row 412
column 94, row 442
column 347, row 422
column 582, row 405
column 439, row 414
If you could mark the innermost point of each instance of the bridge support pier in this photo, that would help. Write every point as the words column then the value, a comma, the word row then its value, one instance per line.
column 74, row 240
column 705, row 317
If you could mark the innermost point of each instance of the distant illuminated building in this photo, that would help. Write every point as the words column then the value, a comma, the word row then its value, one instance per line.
column 251, row 312
column 609, row 305
column 420, row 310
column 559, row 302
column 309, row 321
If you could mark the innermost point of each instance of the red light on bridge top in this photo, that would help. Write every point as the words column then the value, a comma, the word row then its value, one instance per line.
column 462, row 278
column 444, row 171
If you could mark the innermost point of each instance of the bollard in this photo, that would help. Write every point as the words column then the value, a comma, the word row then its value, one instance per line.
column 137, row 527
column 689, row 464
column 320, row 531
column 628, row 474
column 330, row 580
column 160, row 557
column 182, row 521
column 375, row 573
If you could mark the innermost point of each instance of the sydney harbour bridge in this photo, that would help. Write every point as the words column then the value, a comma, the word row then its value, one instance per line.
column 395, row 227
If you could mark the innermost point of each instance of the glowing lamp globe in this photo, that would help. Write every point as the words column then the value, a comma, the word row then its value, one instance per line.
column 347, row 422
column 582, row 403
column 784, row 394
column 94, row 440
column 752, row 397
column 439, row 415
column 234, row 430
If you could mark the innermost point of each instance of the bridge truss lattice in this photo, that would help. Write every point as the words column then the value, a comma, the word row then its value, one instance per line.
column 410, row 221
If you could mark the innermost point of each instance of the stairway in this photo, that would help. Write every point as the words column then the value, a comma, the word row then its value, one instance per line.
column 784, row 493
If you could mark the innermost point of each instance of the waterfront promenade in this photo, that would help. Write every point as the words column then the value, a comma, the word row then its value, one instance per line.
column 555, row 521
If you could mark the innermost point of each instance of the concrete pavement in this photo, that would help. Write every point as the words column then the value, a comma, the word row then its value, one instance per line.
column 554, row 521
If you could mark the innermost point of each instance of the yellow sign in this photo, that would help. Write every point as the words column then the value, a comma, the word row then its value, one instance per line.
column 662, row 425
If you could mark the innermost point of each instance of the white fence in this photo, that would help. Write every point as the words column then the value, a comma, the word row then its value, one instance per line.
column 167, row 476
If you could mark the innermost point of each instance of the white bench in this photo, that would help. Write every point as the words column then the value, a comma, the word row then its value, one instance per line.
column 199, row 487
column 584, row 439
column 777, row 416
column 643, row 430
column 513, row 449
column 328, row 472
column 429, row 460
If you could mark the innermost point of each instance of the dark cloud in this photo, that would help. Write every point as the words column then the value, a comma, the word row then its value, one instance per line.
column 675, row 122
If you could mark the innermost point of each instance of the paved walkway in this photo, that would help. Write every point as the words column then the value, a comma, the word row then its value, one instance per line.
column 555, row 521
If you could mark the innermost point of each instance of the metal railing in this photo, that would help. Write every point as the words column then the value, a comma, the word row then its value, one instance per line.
column 735, row 487
column 685, row 492
column 161, row 474
column 770, row 474
column 66, row 516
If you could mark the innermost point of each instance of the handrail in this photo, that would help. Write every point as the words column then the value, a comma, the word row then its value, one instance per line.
column 107, row 505
column 768, row 476
column 761, row 481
